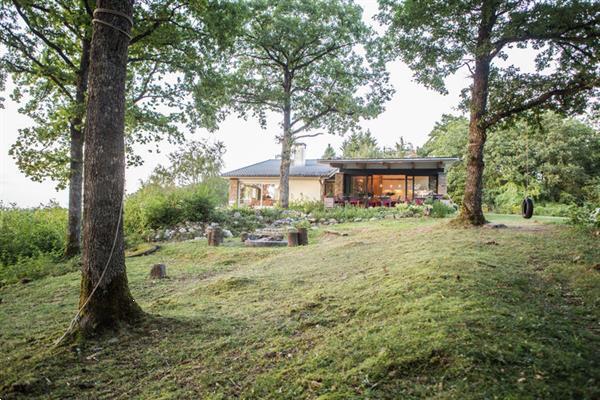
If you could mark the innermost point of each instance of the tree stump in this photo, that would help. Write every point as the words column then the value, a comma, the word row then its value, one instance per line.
column 292, row 238
column 215, row 236
column 302, row 236
column 158, row 271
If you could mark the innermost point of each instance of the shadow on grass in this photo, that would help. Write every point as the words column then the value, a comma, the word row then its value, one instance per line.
column 119, row 360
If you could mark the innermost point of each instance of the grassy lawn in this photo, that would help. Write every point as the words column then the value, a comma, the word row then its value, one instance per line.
column 396, row 309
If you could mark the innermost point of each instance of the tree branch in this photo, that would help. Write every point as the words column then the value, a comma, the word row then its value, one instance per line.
column 311, row 119
column 40, row 35
column 308, row 135
column 157, row 24
column 570, row 89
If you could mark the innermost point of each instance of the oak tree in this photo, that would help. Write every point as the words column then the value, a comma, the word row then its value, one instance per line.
column 305, row 60
column 46, row 52
column 105, row 300
column 437, row 38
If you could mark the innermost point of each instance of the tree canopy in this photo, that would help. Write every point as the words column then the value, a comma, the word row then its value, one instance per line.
column 46, row 50
column 554, row 159
column 192, row 164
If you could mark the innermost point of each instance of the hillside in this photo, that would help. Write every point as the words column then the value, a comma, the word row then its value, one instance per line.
column 396, row 309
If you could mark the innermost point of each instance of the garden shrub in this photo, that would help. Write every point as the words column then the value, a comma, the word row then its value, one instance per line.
column 441, row 210
column 307, row 207
column 587, row 216
column 154, row 207
column 32, row 232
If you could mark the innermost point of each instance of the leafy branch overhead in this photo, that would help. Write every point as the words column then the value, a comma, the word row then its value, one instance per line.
column 306, row 58
column 46, row 48
column 438, row 38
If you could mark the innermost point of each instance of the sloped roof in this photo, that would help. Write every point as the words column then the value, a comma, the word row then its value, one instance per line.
column 271, row 168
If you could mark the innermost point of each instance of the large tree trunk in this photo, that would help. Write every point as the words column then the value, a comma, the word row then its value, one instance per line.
column 286, row 145
column 471, row 211
column 76, row 165
column 103, row 246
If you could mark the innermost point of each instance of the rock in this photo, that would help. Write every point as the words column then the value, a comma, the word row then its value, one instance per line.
column 373, row 219
column 116, row 340
column 332, row 221
column 227, row 233
column 199, row 238
column 389, row 216
column 237, row 215
column 158, row 271
column 357, row 219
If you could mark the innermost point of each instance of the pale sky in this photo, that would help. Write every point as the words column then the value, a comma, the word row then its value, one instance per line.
column 411, row 113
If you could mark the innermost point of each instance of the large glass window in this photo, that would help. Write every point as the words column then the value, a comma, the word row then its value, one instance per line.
column 358, row 186
column 422, row 186
column 394, row 186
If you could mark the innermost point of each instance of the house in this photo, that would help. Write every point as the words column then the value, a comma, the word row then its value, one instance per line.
column 368, row 182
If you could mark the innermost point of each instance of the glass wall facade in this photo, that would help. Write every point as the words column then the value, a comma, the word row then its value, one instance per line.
column 396, row 187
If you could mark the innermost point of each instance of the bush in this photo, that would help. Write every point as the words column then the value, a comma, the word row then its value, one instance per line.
column 307, row 207
column 441, row 210
column 552, row 209
column 587, row 216
column 37, row 267
column 154, row 207
column 29, row 233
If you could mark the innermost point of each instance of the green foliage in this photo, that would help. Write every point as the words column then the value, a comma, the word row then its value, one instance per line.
column 193, row 163
column 307, row 206
column 351, row 213
column 26, row 234
column 302, row 59
column 441, row 210
column 587, row 216
column 438, row 38
column 34, row 268
column 154, row 207
column 329, row 153
column 360, row 145
column 557, row 158
column 47, row 51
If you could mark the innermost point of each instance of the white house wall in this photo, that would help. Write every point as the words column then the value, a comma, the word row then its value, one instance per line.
column 301, row 188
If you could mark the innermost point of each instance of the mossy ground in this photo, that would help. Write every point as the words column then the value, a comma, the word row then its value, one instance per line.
column 397, row 309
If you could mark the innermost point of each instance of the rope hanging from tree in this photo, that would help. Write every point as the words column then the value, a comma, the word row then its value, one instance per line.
column 527, row 204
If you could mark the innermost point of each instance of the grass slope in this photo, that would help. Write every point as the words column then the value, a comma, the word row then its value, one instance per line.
column 409, row 309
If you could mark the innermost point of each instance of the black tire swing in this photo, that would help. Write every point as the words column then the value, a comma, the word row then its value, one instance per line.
column 527, row 204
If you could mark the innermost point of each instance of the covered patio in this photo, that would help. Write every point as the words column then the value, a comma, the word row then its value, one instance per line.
column 386, row 182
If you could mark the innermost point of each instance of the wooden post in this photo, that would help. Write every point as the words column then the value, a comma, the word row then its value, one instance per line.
column 158, row 271
column 293, row 239
column 215, row 236
column 302, row 236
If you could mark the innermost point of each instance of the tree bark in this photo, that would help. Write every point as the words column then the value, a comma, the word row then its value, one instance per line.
column 286, row 145
column 73, row 246
column 471, row 211
column 103, row 245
